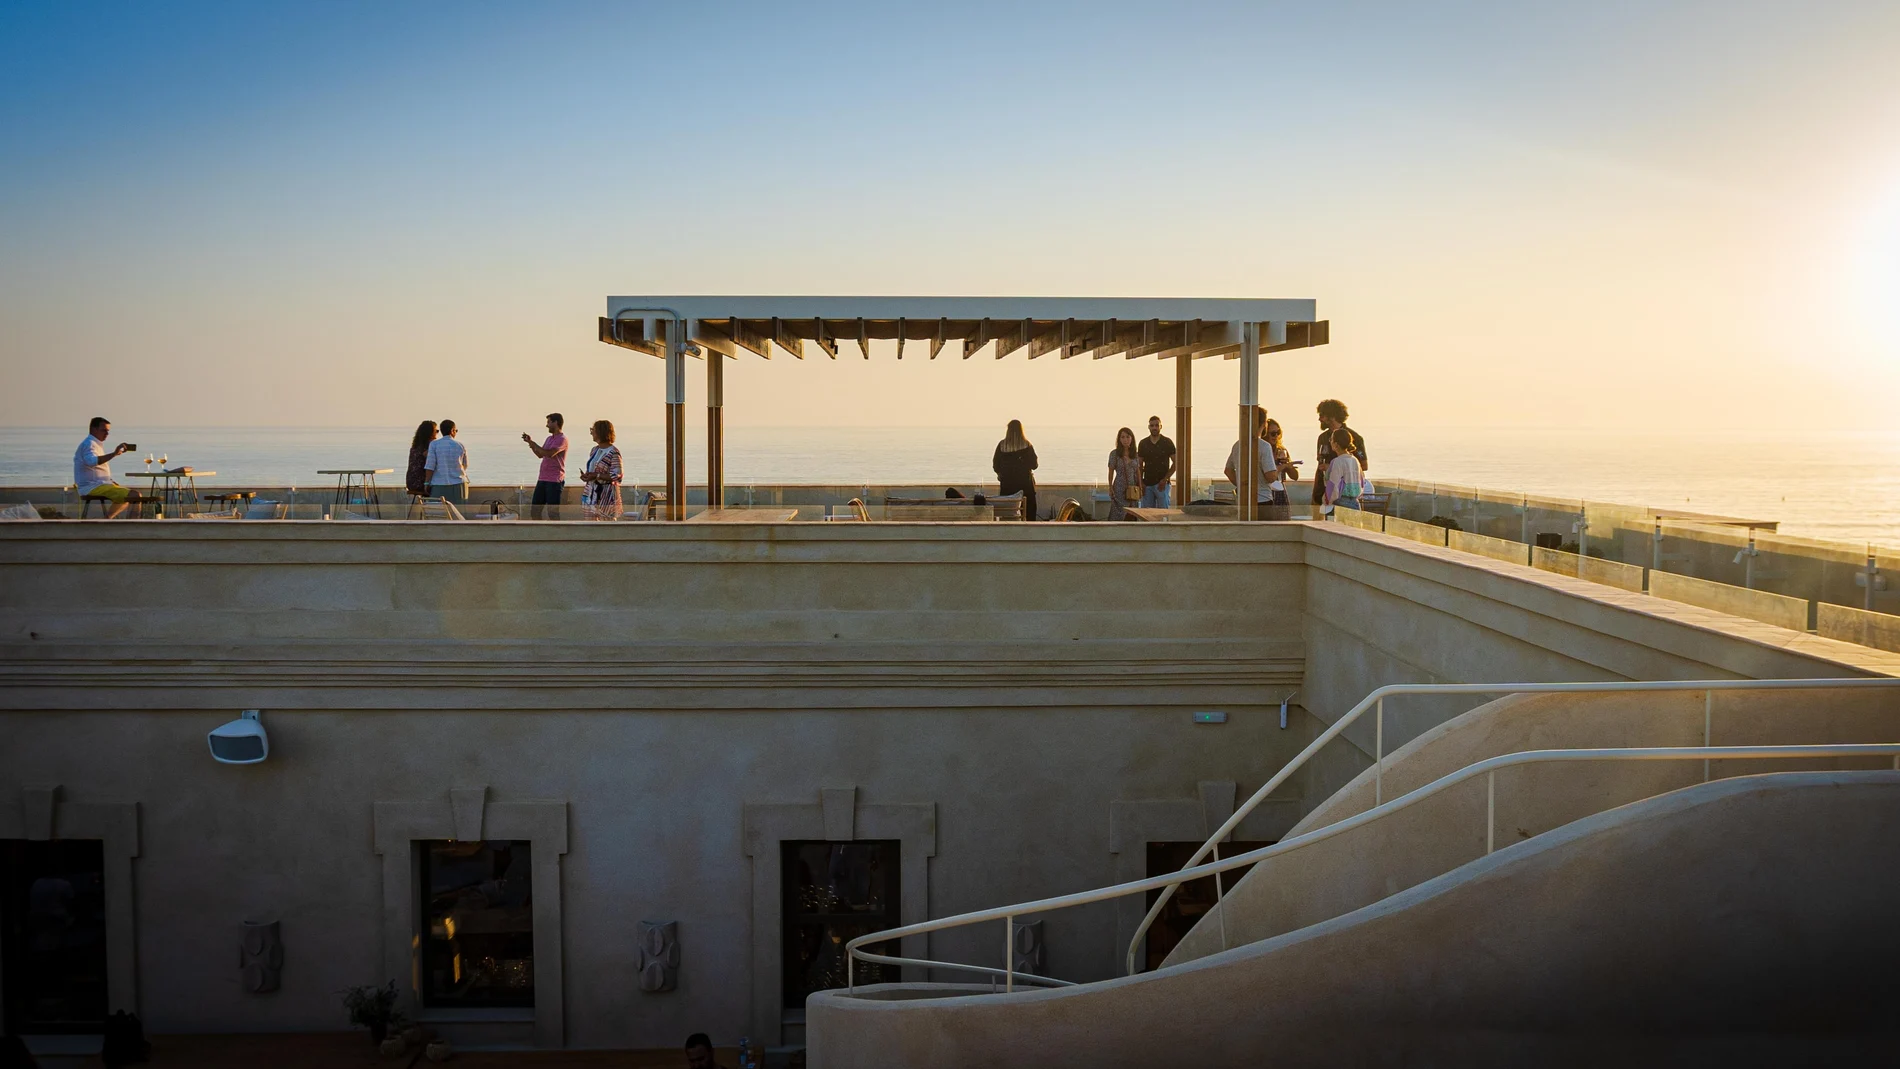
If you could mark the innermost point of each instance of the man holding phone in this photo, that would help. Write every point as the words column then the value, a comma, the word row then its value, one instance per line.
column 92, row 469
column 552, row 480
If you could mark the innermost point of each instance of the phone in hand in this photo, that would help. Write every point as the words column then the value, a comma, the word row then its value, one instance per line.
column 127, row 447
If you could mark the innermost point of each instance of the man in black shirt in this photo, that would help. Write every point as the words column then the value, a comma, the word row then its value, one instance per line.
column 1157, row 465
column 1332, row 415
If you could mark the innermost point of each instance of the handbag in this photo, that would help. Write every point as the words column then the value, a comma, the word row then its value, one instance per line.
column 1131, row 492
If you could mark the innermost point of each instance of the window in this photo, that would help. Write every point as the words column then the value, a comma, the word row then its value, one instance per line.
column 477, row 915
column 833, row 893
column 53, row 933
column 1191, row 900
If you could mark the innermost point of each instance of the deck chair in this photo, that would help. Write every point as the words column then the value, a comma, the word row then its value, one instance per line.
column 433, row 508
column 1071, row 510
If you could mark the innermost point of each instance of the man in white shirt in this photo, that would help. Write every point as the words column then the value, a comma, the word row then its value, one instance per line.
column 1269, row 467
column 92, row 469
column 446, row 469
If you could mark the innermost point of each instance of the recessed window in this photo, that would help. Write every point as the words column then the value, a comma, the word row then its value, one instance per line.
column 1192, row 899
column 477, row 915
column 833, row 893
column 53, row 933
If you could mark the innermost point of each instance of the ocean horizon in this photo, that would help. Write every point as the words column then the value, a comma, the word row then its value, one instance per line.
column 1835, row 485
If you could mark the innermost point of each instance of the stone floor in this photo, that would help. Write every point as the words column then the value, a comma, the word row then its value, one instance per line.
column 340, row 1050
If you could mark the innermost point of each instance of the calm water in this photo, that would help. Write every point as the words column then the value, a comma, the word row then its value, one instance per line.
column 1843, row 486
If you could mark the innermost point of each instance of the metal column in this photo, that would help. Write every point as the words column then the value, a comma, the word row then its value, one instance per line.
column 1247, row 457
column 715, row 429
column 1183, row 429
column 676, row 420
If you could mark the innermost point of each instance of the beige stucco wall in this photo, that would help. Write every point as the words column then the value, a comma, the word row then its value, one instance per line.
column 655, row 680
column 1382, row 609
column 1639, row 936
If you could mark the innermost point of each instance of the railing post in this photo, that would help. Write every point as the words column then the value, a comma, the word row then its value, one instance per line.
column 850, row 975
column 1009, row 954
column 1490, row 810
column 1378, row 751
column 1709, row 718
column 1219, row 896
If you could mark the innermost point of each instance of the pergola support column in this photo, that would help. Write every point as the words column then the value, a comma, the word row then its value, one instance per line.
column 1247, row 457
column 1183, row 429
column 715, row 429
column 676, row 422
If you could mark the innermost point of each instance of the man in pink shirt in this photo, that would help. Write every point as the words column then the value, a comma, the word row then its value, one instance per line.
column 553, row 478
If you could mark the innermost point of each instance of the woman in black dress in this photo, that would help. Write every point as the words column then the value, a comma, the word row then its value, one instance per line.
column 414, row 480
column 1014, row 464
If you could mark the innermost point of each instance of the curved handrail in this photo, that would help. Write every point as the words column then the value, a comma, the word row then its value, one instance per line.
column 1488, row 767
column 1376, row 701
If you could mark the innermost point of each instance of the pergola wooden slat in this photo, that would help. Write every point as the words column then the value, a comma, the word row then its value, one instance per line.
column 1183, row 329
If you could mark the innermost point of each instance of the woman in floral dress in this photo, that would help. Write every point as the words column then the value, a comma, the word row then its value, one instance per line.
column 600, row 494
column 1124, row 474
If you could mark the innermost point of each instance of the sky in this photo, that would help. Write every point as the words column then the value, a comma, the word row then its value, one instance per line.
column 1603, row 215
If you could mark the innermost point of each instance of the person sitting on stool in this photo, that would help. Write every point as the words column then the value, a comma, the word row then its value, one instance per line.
column 92, row 471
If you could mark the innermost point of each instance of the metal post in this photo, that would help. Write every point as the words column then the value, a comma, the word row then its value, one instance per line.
column 850, row 976
column 676, row 421
column 1009, row 953
column 1378, row 751
column 1709, row 720
column 1490, row 810
column 1219, row 896
column 715, row 429
column 1247, row 457
column 1655, row 549
column 1183, row 431
column 1873, row 579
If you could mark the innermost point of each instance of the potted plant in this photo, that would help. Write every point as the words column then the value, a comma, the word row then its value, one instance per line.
column 374, row 1008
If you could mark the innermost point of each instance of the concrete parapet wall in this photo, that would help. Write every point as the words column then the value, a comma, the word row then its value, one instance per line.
column 1791, row 613
column 1876, row 629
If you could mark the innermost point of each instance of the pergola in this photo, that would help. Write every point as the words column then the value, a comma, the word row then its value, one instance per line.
column 1181, row 329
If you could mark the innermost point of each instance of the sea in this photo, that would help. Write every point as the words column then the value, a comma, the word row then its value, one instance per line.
column 1818, row 483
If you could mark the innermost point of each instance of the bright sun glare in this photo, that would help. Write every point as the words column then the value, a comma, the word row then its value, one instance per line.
column 1879, row 268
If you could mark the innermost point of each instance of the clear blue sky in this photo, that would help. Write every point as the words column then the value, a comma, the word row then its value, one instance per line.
column 366, row 213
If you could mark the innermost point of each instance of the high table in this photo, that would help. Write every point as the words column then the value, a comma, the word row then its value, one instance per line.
column 360, row 480
column 170, row 487
column 1156, row 515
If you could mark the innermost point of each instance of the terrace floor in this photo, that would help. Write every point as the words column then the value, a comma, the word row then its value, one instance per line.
column 339, row 1050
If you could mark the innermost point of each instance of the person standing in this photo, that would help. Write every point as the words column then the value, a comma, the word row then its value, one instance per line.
column 92, row 470
column 600, row 494
column 1124, row 475
column 1157, row 466
column 446, row 466
column 1264, row 459
column 1284, row 469
column 551, row 482
column 1014, row 463
column 416, row 480
column 1332, row 417
column 1343, row 473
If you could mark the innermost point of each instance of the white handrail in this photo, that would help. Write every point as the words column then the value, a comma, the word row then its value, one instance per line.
column 1376, row 701
column 1488, row 767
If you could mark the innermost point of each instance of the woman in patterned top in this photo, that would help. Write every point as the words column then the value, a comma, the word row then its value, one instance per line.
column 1124, row 475
column 600, row 496
column 415, row 480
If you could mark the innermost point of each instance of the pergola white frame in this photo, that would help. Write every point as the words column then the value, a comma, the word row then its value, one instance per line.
column 1166, row 328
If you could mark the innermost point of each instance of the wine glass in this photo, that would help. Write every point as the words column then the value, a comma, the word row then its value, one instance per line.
column 163, row 459
column 148, row 460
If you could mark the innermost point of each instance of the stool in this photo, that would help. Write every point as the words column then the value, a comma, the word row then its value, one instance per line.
column 86, row 504
column 240, row 501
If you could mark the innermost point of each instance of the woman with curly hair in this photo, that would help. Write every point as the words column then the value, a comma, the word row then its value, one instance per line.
column 600, row 493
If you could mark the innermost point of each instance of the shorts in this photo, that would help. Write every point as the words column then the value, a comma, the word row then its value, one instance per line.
column 112, row 492
column 452, row 492
column 548, row 492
